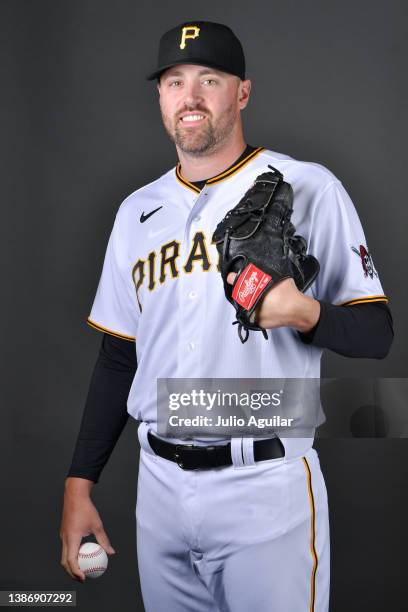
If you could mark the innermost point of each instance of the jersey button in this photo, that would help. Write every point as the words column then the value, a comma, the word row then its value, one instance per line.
column 197, row 219
column 191, row 346
column 192, row 295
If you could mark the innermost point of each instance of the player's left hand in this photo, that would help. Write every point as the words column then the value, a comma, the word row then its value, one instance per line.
column 285, row 306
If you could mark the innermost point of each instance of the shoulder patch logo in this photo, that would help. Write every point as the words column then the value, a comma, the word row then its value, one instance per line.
column 366, row 261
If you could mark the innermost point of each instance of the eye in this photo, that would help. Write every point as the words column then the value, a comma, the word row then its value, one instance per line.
column 174, row 83
column 210, row 82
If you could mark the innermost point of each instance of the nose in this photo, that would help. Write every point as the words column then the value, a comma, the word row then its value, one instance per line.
column 192, row 94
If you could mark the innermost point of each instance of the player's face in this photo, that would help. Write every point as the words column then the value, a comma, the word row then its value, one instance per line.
column 201, row 106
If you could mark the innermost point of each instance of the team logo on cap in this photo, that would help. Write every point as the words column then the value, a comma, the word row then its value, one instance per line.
column 366, row 261
column 188, row 32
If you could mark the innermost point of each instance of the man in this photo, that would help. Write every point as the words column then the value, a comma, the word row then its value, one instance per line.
column 248, row 527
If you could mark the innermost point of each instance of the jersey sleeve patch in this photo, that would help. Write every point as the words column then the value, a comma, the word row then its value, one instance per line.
column 366, row 261
column 105, row 330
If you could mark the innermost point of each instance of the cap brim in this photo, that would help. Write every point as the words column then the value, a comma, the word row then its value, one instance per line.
column 159, row 71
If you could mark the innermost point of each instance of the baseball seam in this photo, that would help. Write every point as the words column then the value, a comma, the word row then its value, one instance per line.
column 96, row 553
column 94, row 569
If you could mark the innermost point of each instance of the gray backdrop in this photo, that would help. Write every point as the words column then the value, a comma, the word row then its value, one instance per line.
column 80, row 130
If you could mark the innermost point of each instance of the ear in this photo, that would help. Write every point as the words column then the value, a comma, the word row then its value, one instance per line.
column 244, row 91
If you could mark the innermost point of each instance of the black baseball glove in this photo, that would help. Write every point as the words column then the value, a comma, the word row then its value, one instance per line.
column 257, row 241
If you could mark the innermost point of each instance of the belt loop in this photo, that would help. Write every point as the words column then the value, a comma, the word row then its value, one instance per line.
column 236, row 452
column 142, row 432
column 248, row 452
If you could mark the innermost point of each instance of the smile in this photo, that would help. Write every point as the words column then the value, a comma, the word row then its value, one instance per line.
column 191, row 118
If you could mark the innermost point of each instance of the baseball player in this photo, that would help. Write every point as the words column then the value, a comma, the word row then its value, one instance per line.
column 236, row 522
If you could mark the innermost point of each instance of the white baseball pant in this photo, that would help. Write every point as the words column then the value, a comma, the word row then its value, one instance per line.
column 251, row 536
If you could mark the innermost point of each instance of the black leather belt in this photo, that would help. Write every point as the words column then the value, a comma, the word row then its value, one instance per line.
column 190, row 457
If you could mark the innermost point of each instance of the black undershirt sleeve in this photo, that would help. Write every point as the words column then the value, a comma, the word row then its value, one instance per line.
column 363, row 330
column 105, row 413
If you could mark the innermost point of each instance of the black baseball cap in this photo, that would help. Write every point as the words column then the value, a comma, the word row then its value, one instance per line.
column 204, row 43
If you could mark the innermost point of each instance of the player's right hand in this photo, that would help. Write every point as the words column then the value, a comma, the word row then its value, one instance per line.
column 80, row 518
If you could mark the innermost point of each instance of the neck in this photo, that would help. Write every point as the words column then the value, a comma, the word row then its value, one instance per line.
column 197, row 168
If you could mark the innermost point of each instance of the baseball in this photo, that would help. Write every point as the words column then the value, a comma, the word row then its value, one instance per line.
column 92, row 559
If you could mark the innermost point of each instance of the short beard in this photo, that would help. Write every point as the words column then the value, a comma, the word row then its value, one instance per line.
column 206, row 141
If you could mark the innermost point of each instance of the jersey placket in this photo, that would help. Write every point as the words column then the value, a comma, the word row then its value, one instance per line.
column 191, row 295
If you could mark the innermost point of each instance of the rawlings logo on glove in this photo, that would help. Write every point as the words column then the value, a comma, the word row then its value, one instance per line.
column 252, row 282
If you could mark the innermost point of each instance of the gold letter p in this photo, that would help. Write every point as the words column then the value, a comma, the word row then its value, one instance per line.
column 188, row 32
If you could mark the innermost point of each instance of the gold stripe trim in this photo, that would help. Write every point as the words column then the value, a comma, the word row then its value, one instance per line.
column 312, row 536
column 219, row 177
column 184, row 181
column 109, row 331
column 243, row 162
column 365, row 299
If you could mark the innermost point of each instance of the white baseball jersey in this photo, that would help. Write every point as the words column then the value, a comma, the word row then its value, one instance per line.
column 160, row 285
